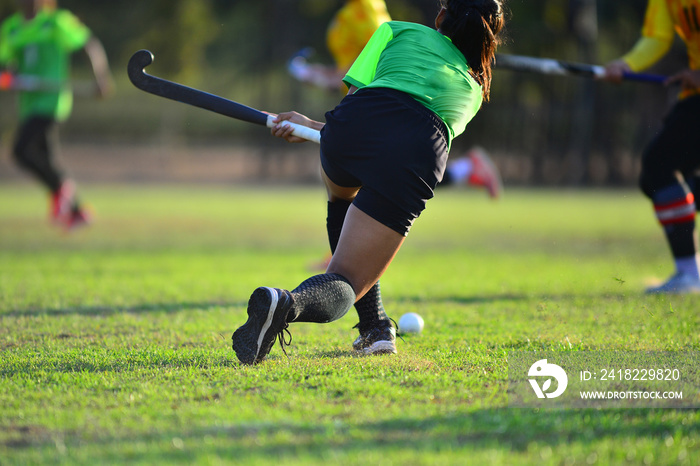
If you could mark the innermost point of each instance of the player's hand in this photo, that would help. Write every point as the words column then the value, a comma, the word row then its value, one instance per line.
column 688, row 79
column 615, row 70
column 284, row 131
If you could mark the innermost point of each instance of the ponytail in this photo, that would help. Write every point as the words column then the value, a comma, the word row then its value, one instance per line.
column 473, row 26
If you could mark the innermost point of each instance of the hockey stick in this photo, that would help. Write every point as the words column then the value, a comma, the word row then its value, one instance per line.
column 201, row 99
column 562, row 68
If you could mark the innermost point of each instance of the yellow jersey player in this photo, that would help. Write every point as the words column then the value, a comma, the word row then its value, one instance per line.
column 352, row 28
column 349, row 30
column 671, row 159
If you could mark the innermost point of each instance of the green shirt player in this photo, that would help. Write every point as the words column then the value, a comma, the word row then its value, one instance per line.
column 384, row 148
column 35, row 48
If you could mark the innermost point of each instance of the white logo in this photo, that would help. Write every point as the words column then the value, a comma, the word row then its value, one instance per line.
column 542, row 369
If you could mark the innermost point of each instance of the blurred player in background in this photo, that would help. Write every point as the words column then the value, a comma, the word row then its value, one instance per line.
column 35, row 48
column 351, row 28
column 672, row 158
column 384, row 149
column 347, row 34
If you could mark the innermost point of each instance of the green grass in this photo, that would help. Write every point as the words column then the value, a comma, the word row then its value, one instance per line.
column 115, row 340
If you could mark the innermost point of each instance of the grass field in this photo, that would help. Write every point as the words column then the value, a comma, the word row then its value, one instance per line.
column 115, row 341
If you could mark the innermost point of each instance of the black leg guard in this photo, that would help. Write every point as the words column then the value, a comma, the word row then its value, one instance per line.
column 321, row 299
column 681, row 239
column 675, row 210
column 370, row 309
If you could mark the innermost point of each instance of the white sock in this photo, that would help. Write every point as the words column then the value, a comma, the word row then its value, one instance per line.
column 460, row 169
column 688, row 266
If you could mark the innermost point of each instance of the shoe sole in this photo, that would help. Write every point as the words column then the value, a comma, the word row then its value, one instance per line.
column 381, row 347
column 676, row 291
column 248, row 340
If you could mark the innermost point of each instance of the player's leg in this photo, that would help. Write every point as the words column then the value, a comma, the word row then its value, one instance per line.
column 671, row 153
column 364, row 250
column 315, row 299
column 399, row 164
column 370, row 309
column 34, row 151
column 322, row 298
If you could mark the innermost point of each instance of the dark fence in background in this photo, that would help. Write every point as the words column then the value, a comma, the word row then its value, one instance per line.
column 542, row 130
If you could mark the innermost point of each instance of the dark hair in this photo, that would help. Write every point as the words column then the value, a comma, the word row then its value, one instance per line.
column 473, row 26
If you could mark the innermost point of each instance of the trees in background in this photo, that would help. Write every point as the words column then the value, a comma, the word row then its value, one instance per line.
column 545, row 128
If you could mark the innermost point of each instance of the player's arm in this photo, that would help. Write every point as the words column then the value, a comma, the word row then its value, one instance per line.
column 657, row 37
column 100, row 66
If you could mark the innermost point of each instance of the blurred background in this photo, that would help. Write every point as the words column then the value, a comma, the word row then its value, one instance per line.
column 540, row 130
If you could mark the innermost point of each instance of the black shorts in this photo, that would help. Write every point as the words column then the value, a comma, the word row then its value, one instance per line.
column 391, row 146
column 676, row 148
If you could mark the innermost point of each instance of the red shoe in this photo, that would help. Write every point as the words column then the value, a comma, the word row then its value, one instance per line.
column 62, row 203
column 78, row 219
column 484, row 172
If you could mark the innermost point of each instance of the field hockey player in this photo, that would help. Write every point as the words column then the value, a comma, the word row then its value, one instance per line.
column 384, row 149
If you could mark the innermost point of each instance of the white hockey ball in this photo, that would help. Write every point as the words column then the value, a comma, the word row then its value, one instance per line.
column 411, row 323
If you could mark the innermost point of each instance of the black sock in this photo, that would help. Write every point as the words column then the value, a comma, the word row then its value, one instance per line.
column 675, row 209
column 334, row 221
column 681, row 239
column 321, row 298
column 369, row 308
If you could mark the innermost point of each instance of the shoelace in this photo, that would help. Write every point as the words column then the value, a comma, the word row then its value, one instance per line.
column 396, row 326
column 283, row 341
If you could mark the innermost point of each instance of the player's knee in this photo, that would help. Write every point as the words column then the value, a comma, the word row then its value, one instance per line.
column 352, row 276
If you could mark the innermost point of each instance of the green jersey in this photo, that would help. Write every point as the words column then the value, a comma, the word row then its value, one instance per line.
column 41, row 48
column 423, row 63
